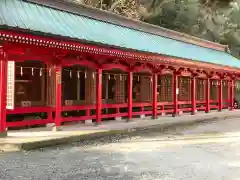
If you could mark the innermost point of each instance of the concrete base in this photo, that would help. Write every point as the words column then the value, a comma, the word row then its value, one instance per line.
column 50, row 125
column 193, row 113
column 3, row 134
column 180, row 113
column 118, row 118
column 56, row 128
column 88, row 121
column 142, row 116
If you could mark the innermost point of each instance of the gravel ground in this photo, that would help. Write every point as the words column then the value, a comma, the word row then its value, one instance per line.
column 152, row 155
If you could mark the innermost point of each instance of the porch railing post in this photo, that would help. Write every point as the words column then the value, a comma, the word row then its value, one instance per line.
column 193, row 94
column 175, row 94
column 98, row 95
column 220, row 94
column 154, row 95
column 130, row 88
column 207, row 91
column 3, row 92
column 58, row 99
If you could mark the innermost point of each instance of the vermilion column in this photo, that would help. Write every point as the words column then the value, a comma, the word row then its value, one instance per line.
column 193, row 95
column 154, row 96
column 98, row 96
column 220, row 96
column 207, row 91
column 175, row 94
column 58, row 99
column 232, row 91
column 3, row 93
column 130, row 87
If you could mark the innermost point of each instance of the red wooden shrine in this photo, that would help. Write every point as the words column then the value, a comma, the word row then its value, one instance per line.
column 54, row 80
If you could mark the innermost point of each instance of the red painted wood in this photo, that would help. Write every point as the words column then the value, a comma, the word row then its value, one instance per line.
column 115, row 66
column 31, row 122
column 78, row 107
column 99, row 96
column 24, row 110
column 154, row 94
column 231, row 98
column 175, row 95
column 220, row 95
column 3, row 91
column 58, row 100
column 207, row 86
column 86, row 63
column 130, row 91
column 103, row 51
column 77, row 118
column 193, row 94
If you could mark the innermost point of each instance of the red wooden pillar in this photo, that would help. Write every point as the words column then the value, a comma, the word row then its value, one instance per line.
column 207, row 91
column 130, row 88
column 3, row 94
column 99, row 96
column 154, row 96
column 193, row 94
column 232, row 95
column 220, row 95
column 175, row 94
column 58, row 99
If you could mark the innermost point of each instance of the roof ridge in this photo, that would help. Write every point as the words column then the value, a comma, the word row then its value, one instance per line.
column 109, row 17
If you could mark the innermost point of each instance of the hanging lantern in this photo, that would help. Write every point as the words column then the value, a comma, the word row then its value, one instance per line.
column 120, row 77
column 21, row 71
column 114, row 76
column 70, row 73
column 78, row 75
column 138, row 78
column 85, row 75
column 32, row 72
column 109, row 77
column 40, row 73
column 93, row 75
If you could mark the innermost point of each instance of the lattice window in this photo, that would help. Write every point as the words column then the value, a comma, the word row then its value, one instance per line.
column 200, row 89
column 214, row 89
column 90, row 87
column 184, row 84
column 165, row 88
column 120, row 89
column 145, row 84
column 225, row 89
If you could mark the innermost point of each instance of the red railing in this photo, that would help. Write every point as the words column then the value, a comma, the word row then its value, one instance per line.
column 86, row 108
column 117, row 108
column 144, row 108
column 185, row 106
column 200, row 105
column 226, row 104
column 214, row 104
column 30, row 122
column 164, row 107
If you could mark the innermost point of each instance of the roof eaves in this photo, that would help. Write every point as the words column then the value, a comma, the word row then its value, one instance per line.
column 109, row 17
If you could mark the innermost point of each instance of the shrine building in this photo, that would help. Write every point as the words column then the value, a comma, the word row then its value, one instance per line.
column 62, row 62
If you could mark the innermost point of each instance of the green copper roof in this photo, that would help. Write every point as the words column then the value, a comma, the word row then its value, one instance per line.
column 25, row 15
